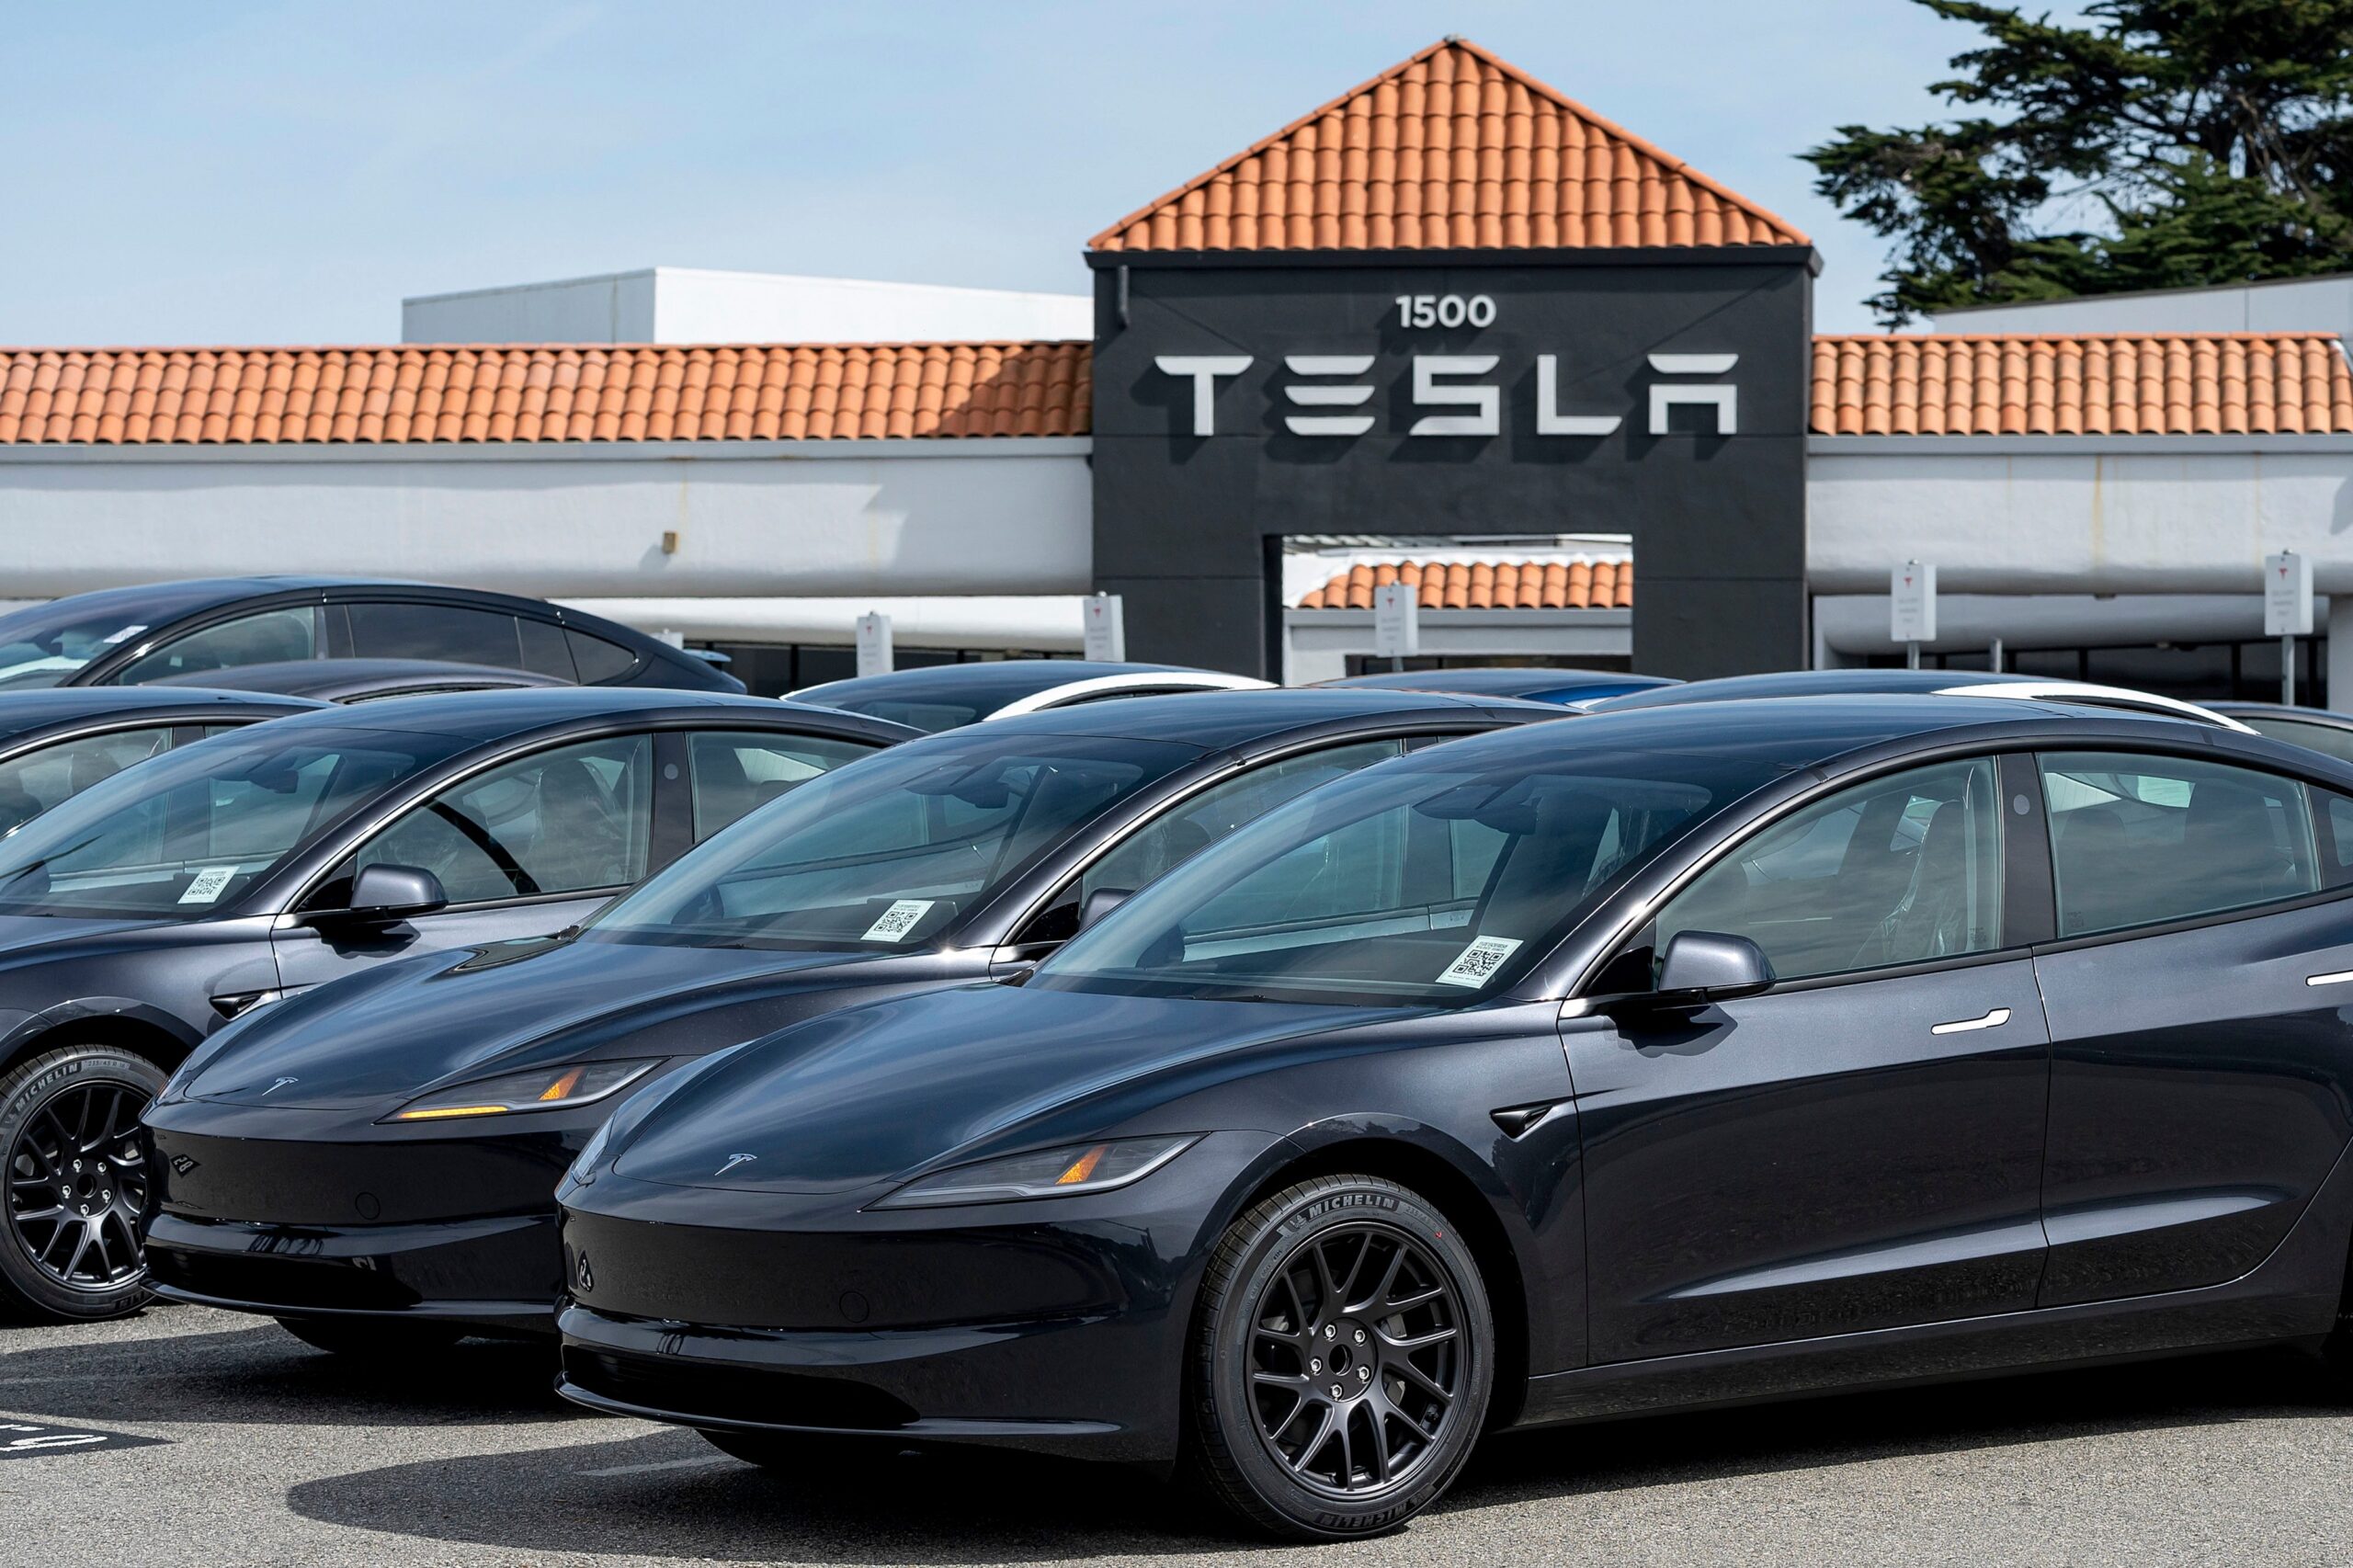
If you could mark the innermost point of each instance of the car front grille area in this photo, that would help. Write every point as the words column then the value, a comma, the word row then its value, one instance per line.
column 279, row 1282
column 734, row 1392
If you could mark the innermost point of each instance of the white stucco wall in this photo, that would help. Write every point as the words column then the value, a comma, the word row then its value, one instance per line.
column 2189, row 515
column 807, row 518
column 684, row 305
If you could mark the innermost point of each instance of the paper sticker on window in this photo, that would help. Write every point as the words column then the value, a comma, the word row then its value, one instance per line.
column 206, row 885
column 893, row 924
column 1481, row 959
column 125, row 635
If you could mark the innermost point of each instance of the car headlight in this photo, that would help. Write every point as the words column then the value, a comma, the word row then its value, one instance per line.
column 1065, row 1172
column 543, row 1088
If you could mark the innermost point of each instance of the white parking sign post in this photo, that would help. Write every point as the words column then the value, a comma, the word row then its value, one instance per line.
column 1396, row 623
column 874, row 643
column 1105, row 634
column 1912, row 609
column 2287, row 612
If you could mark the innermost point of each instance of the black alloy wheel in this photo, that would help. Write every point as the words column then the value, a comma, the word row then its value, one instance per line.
column 1344, row 1360
column 79, row 1190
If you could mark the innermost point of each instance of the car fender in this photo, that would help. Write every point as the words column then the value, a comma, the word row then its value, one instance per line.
column 22, row 1031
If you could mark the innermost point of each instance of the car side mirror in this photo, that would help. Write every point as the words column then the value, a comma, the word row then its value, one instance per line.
column 381, row 895
column 1100, row 902
column 1699, row 967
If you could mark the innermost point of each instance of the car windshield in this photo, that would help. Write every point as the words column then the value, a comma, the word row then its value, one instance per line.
column 194, row 828
column 1425, row 881
column 890, row 852
column 46, row 644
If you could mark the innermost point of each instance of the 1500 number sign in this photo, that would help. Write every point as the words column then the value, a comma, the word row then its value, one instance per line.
column 1446, row 310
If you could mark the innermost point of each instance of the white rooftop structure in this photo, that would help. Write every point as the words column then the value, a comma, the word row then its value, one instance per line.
column 685, row 304
column 2283, row 304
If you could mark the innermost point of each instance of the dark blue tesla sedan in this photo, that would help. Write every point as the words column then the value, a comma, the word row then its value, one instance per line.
column 1693, row 1054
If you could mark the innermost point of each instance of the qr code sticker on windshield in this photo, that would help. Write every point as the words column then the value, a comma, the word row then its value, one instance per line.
column 1481, row 959
column 893, row 924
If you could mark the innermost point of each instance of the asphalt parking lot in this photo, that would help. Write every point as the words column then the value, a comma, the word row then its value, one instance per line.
column 262, row 1452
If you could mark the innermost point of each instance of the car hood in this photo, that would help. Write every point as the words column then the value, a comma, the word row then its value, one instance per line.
column 869, row 1093
column 390, row 1033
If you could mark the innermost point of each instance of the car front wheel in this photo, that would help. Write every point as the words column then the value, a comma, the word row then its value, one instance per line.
column 78, row 1189
column 1342, row 1360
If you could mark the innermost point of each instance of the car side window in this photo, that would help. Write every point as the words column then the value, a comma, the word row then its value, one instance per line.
column 274, row 636
column 597, row 659
column 737, row 772
column 1179, row 833
column 1901, row 869
column 2138, row 840
column 573, row 819
column 455, row 633
column 38, row 780
column 1184, row 830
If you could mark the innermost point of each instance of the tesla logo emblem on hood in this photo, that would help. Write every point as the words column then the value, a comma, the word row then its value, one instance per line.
column 732, row 1161
column 277, row 1084
column 587, row 1276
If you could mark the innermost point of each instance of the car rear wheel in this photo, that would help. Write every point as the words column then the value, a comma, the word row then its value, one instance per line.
column 367, row 1336
column 1341, row 1360
column 78, row 1188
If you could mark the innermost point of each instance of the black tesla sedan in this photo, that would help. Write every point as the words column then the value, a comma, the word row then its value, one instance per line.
column 1688, row 1056
column 376, row 1166
column 149, row 910
column 54, row 744
column 128, row 636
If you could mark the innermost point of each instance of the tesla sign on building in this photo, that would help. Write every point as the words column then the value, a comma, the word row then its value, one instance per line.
column 1278, row 357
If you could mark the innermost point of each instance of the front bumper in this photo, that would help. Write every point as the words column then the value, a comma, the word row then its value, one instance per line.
column 1053, row 1325
column 311, row 1214
column 497, row 1275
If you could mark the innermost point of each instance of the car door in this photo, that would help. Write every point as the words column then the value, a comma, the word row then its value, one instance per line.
column 2201, row 996
column 528, row 846
column 1857, row 1146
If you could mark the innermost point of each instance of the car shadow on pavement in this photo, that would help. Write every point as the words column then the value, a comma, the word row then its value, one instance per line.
column 670, row 1495
column 264, row 1375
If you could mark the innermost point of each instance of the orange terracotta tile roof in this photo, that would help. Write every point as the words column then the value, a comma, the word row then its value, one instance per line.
column 1450, row 149
column 1499, row 584
column 544, row 393
column 2083, row 384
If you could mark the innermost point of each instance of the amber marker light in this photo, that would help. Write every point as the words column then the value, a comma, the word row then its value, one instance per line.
column 441, row 1113
column 1083, row 1166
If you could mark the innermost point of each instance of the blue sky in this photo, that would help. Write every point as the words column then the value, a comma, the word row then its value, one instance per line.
column 177, row 173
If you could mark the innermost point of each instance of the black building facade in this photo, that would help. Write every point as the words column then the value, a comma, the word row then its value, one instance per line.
column 1264, row 374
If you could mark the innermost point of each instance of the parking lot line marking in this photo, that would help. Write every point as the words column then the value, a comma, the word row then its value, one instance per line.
column 666, row 1464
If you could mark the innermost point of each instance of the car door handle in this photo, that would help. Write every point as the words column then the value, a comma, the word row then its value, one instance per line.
column 2336, row 977
column 1993, row 1020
